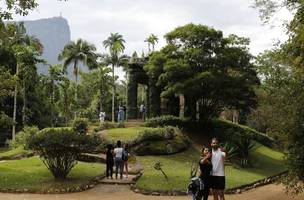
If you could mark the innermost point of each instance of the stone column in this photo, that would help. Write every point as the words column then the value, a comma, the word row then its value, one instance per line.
column 132, row 98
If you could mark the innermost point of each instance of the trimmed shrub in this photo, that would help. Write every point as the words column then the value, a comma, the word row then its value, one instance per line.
column 80, row 125
column 22, row 137
column 107, row 125
column 228, row 131
column 165, row 120
column 163, row 147
column 60, row 147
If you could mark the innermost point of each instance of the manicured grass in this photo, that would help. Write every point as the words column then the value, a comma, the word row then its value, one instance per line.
column 124, row 134
column 266, row 161
column 12, row 153
column 31, row 173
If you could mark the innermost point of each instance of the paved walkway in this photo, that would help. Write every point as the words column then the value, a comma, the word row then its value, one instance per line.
column 123, row 181
column 119, row 192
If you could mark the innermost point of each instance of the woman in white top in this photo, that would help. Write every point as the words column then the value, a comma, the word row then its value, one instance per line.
column 118, row 154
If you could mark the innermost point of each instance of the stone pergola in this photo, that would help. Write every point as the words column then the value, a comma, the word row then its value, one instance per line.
column 155, row 105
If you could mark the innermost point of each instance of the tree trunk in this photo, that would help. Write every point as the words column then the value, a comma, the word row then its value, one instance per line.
column 24, row 105
column 53, row 102
column 113, row 95
column 76, row 89
column 181, row 106
column 15, row 106
column 127, row 82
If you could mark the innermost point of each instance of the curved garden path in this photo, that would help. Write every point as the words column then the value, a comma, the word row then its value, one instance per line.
column 118, row 192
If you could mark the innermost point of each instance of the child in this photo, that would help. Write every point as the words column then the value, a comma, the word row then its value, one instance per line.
column 125, row 158
column 109, row 161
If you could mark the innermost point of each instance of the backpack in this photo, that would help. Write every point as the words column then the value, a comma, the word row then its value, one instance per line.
column 125, row 155
column 195, row 186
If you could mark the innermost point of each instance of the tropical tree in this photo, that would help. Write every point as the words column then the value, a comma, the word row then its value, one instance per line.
column 151, row 40
column 76, row 52
column 25, row 50
column 94, row 90
column 211, row 71
column 115, row 44
column 287, row 87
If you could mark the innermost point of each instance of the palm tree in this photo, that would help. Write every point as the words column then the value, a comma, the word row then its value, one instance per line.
column 75, row 52
column 115, row 44
column 151, row 40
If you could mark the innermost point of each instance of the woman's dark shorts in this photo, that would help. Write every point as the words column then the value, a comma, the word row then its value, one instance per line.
column 217, row 182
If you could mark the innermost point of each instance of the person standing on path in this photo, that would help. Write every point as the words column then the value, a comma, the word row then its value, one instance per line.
column 125, row 158
column 109, row 161
column 205, row 170
column 118, row 153
column 121, row 115
column 142, row 111
column 217, row 178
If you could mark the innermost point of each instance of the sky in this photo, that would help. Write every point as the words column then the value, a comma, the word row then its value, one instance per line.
column 94, row 20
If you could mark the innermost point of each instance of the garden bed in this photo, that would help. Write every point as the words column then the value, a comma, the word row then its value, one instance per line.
column 267, row 163
column 148, row 141
column 31, row 175
column 15, row 154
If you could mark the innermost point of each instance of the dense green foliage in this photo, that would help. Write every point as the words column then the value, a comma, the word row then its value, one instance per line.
column 231, row 132
column 283, row 86
column 22, row 137
column 207, row 68
column 164, row 120
column 80, row 125
column 60, row 147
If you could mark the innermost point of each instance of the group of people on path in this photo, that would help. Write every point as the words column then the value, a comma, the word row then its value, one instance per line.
column 117, row 157
column 212, row 173
column 211, row 165
column 121, row 114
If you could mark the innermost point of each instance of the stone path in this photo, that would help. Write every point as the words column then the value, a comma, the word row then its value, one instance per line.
column 120, row 192
column 123, row 181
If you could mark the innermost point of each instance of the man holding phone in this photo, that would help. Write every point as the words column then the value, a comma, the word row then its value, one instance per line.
column 217, row 178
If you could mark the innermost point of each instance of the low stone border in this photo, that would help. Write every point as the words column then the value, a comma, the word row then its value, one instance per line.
column 236, row 190
column 92, row 183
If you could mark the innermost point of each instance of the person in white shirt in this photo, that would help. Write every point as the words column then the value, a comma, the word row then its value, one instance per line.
column 217, row 178
column 118, row 154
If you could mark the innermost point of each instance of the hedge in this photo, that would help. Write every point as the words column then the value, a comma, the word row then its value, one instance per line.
column 155, row 141
column 165, row 120
column 227, row 131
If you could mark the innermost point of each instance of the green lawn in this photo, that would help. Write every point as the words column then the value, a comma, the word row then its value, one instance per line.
column 266, row 162
column 14, row 152
column 31, row 173
column 124, row 134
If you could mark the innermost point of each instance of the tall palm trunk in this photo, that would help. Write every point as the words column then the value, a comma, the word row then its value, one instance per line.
column 113, row 94
column 15, row 105
column 76, row 86
column 53, row 101
column 24, row 105
column 127, row 81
